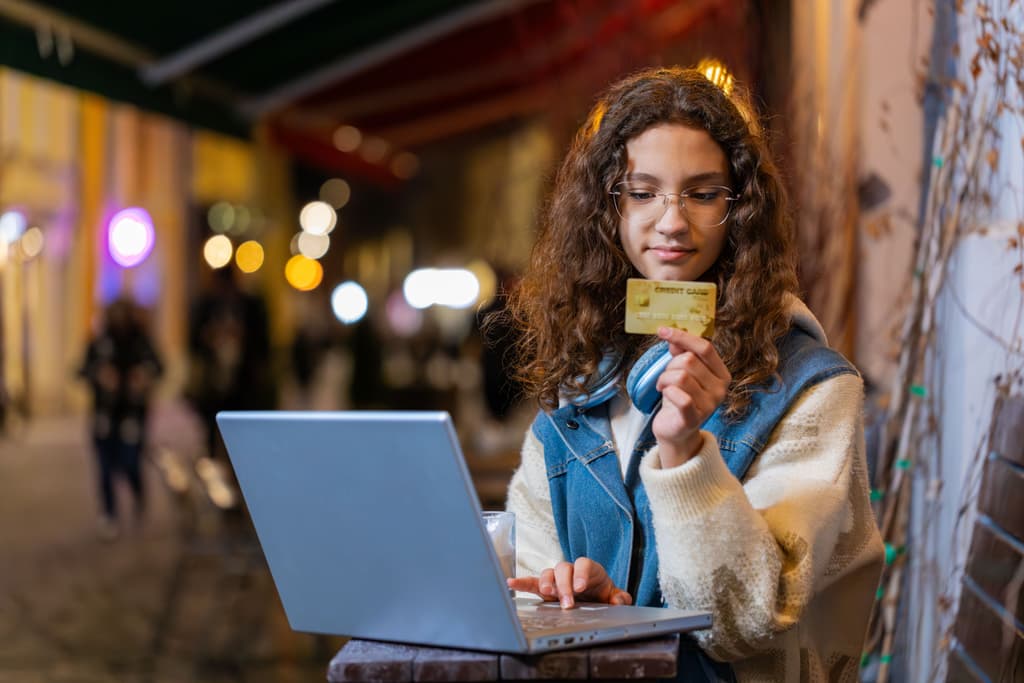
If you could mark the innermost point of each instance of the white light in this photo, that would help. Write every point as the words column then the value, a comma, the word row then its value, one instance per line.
column 217, row 251
column 318, row 218
column 12, row 225
column 418, row 288
column 312, row 246
column 451, row 287
column 349, row 302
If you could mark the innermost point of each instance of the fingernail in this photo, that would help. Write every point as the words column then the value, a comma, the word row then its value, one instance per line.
column 662, row 331
column 579, row 584
column 566, row 602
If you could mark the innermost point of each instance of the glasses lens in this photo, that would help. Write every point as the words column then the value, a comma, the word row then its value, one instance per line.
column 638, row 203
column 706, row 206
column 702, row 206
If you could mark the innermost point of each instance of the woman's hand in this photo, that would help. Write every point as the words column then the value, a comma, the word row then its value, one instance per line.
column 692, row 386
column 586, row 580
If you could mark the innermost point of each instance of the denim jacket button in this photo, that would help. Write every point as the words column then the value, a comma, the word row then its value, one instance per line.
column 572, row 424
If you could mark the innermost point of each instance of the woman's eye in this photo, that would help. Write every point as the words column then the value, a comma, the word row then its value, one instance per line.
column 640, row 195
column 702, row 195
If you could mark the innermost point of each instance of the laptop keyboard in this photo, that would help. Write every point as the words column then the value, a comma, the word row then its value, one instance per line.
column 543, row 618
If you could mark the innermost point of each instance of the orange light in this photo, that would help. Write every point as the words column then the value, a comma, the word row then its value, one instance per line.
column 302, row 273
column 249, row 256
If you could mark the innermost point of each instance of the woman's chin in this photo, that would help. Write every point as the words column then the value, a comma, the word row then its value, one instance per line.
column 671, row 272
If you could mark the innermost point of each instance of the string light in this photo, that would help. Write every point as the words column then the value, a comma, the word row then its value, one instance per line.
column 716, row 72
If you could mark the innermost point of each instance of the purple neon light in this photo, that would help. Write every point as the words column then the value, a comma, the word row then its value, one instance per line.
column 130, row 236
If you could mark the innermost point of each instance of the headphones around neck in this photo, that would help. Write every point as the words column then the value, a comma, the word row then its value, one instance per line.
column 641, row 382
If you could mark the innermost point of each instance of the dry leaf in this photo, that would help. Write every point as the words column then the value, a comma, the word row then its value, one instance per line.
column 1012, row 243
column 1018, row 269
column 993, row 158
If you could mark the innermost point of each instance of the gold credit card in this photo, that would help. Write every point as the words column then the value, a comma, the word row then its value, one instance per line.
column 689, row 306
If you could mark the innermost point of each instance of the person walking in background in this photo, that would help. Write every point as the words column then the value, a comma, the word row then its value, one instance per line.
column 121, row 367
column 229, row 369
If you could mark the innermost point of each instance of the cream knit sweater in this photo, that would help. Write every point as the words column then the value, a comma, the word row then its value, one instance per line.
column 788, row 560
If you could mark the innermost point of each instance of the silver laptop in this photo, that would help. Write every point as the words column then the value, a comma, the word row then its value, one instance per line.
column 372, row 529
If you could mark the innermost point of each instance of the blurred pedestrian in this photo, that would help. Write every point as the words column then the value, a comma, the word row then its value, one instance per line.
column 229, row 348
column 121, row 366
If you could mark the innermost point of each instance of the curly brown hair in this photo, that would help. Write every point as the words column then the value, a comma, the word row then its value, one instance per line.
column 569, row 306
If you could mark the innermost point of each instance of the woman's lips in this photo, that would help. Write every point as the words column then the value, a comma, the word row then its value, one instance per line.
column 671, row 253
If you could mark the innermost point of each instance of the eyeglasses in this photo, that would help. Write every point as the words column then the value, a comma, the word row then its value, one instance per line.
column 704, row 206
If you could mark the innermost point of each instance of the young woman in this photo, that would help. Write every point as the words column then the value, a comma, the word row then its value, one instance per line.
column 744, row 490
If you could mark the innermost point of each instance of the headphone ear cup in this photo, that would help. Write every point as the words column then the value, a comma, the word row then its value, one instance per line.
column 603, row 386
column 641, row 384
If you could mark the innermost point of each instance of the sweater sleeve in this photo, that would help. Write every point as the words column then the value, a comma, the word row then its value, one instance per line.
column 537, row 546
column 756, row 553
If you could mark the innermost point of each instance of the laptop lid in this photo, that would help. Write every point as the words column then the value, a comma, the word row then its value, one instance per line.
column 371, row 526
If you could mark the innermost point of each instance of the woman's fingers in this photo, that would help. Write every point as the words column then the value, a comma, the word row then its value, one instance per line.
column 543, row 585
column 621, row 597
column 680, row 342
column 547, row 585
column 564, row 584
column 688, row 365
column 584, row 578
column 525, row 584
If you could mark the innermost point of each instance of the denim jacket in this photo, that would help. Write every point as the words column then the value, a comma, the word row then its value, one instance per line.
column 603, row 516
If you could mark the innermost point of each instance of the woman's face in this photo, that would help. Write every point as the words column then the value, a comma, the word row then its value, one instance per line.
column 661, row 243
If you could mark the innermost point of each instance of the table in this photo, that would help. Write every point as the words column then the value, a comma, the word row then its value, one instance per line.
column 366, row 660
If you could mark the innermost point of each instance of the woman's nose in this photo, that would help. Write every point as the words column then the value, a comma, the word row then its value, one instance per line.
column 673, row 219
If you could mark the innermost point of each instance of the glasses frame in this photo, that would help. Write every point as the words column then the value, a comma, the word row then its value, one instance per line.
column 731, row 197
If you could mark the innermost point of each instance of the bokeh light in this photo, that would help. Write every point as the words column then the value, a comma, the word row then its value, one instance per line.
column 451, row 287
column 487, row 278
column 347, row 138
column 221, row 217
column 302, row 273
column 243, row 219
column 249, row 256
column 31, row 243
column 217, row 251
column 335, row 192
column 130, row 236
column 12, row 226
column 349, row 302
column 403, row 319
column 313, row 246
column 318, row 218
column 374, row 150
column 405, row 165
